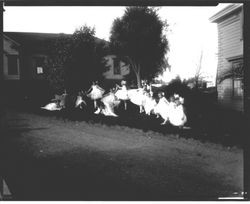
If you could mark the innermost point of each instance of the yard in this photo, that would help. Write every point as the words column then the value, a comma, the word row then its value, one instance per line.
column 49, row 158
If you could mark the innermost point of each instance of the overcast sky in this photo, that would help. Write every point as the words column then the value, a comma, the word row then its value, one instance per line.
column 190, row 31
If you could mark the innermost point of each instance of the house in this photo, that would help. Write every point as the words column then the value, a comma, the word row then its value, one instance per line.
column 25, row 56
column 230, row 56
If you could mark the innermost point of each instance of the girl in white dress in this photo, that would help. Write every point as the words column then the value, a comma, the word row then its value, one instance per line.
column 109, row 101
column 177, row 116
column 150, row 103
column 122, row 93
column 137, row 97
column 79, row 101
column 54, row 105
column 162, row 108
column 95, row 92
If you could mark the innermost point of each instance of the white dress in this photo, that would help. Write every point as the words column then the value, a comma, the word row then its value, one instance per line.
column 122, row 93
column 109, row 102
column 79, row 101
column 177, row 116
column 51, row 107
column 149, row 105
column 96, row 92
column 162, row 106
column 137, row 96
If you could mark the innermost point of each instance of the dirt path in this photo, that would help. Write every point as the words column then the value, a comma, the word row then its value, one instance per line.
column 52, row 159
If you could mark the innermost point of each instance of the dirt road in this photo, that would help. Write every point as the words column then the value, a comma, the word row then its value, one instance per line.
column 50, row 159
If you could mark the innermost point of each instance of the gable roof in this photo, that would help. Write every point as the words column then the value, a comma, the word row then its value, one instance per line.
column 225, row 12
column 38, row 42
column 30, row 38
column 10, row 39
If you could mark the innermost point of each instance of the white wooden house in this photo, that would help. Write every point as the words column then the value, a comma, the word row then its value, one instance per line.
column 230, row 56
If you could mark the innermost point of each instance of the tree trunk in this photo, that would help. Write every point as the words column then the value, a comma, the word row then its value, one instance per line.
column 136, row 68
column 138, row 78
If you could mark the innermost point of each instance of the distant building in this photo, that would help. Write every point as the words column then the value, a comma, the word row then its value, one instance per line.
column 230, row 56
column 116, row 70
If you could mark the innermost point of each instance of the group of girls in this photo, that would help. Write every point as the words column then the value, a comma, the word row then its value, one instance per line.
column 171, row 111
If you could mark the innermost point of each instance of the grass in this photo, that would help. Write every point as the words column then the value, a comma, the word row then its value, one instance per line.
column 212, row 124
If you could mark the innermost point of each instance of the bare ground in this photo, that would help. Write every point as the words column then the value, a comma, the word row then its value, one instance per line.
column 53, row 159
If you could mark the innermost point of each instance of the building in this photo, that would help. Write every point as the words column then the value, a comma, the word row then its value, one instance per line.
column 116, row 70
column 25, row 56
column 230, row 56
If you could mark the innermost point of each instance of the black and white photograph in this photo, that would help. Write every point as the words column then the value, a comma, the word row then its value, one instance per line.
column 123, row 102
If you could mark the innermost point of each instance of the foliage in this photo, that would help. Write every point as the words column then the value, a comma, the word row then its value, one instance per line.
column 138, row 36
column 59, row 52
column 236, row 72
column 75, row 60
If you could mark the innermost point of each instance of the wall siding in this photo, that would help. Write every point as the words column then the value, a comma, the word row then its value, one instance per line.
column 230, row 45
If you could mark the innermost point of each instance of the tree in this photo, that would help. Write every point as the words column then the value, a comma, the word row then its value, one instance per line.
column 138, row 37
column 58, row 57
column 86, row 59
column 234, row 72
column 76, row 60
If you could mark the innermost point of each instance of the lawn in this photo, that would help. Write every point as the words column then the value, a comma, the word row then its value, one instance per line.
column 49, row 158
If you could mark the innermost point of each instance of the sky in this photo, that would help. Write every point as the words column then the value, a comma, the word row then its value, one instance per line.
column 189, row 33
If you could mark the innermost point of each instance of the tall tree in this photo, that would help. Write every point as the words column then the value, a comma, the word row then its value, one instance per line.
column 138, row 36
column 59, row 56
column 76, row 60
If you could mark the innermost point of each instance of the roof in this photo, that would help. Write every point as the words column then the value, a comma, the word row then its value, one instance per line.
column 10, row 39
column 29, row 38
column 225, row 12
column 35, row 40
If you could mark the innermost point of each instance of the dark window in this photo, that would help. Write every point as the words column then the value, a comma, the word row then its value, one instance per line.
column 117, row 69
column 12, row 65
column 237, row 66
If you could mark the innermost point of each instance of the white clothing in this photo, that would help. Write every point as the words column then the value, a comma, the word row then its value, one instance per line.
column 162, row 106
column 79, row 101
column 96, row 92
column 137, row 96
column 177, row 116
column 51, row 107
column 149, row 105
column 122, row 93
column 109, row 102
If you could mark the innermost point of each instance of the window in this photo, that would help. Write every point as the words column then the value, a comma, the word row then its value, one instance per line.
column 39, row 63
column 116, row 63
column 12, row 65
column 237, row 88
column 39, row 70
column 237, row 68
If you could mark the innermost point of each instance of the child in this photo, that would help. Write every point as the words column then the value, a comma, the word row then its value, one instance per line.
column 79, row 101
column 178, row 116
column 122, row 93
column 162, row 108
column 95, row 92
